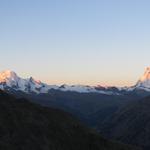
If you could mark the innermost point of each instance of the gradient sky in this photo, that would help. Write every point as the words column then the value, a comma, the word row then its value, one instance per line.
column 76, row 41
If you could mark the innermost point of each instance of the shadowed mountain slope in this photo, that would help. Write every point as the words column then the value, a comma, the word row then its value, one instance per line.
column 131, row 124
column 24, row 126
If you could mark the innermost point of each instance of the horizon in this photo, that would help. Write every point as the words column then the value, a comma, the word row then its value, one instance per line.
column 142, row 78
column 76, row 42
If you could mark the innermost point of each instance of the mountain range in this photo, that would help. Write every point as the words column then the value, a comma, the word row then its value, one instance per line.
column 120, row 113
column 9, row 80
column 91, row 104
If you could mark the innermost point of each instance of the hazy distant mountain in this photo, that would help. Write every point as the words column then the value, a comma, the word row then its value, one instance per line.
column 27, row 126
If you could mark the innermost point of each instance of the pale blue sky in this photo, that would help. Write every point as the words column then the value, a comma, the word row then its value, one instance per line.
column 76, row 41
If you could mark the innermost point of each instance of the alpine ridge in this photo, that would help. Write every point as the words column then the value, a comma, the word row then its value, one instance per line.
column 9, row 81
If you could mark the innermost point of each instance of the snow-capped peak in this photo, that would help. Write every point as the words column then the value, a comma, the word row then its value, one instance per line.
column 144, row 81
column 146, row 75
column 7, row 75
column 9, row 80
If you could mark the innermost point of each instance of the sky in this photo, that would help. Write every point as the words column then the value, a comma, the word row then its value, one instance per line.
column 87, row 42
